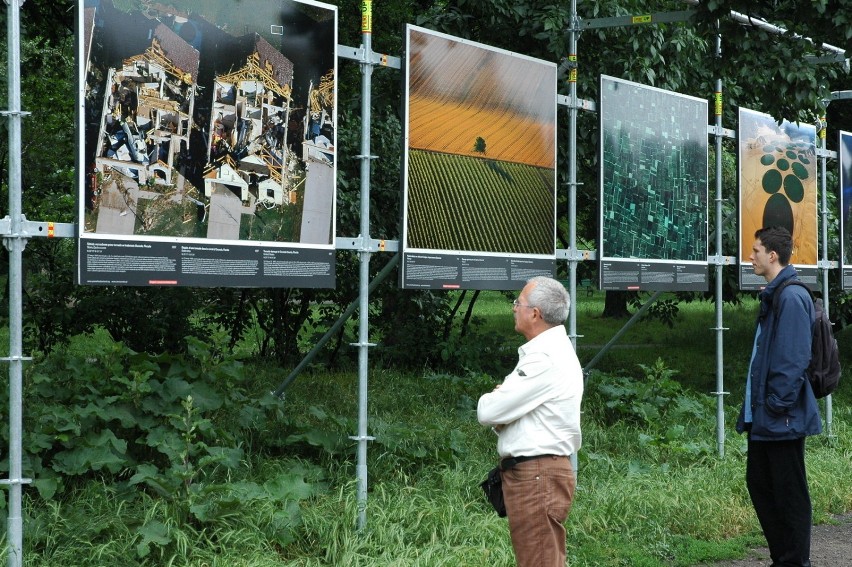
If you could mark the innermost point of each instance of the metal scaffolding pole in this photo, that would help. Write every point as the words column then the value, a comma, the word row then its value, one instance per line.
column 17, row 230
column 837, row 52
column 572, row 186
column 572, row 173
column 364, row 254
column 335, row 328
column 15, row 241
column 720, row 330
column 836, row 95
column 823, row 127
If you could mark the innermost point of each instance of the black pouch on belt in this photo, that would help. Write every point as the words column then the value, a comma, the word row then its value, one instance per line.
column 493, row 488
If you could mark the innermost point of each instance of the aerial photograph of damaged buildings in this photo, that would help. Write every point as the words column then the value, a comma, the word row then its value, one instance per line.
column 204, row 123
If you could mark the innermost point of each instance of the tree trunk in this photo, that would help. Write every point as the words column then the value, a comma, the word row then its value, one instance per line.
column 615, row 305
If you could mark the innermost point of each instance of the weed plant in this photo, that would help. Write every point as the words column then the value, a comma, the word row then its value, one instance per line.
column 232, row 477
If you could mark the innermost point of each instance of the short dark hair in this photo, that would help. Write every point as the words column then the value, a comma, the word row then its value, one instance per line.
column 776, row 239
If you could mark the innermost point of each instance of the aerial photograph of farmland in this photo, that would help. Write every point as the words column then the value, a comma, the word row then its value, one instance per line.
column 653, row 173
column 207, row 122
column 481, row 148
column 778, row 182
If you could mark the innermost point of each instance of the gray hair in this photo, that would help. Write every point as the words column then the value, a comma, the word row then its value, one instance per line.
column 551, row 298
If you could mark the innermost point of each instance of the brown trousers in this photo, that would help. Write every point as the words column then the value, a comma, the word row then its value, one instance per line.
column 538, row 495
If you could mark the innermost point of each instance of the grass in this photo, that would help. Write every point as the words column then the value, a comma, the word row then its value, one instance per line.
column 649, row 494
column 693, row 332
column 636, row 504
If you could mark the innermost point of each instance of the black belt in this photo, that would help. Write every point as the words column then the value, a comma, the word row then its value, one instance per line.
column 510, row 462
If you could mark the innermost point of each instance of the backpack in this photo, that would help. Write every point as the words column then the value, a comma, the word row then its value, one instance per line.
column 824, row 367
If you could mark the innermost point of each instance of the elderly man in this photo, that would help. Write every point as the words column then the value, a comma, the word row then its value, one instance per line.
column 536, row 415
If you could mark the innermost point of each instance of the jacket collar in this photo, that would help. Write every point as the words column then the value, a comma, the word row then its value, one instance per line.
column 785, row 274
column 767, row 295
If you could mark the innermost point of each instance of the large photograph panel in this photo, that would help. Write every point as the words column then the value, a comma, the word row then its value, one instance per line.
column 777, row 179
column 480, row 153
column 653, row 224
column 845, row 152
column 208, row 143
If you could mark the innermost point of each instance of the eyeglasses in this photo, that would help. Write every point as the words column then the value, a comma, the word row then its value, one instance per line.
column 517, row 303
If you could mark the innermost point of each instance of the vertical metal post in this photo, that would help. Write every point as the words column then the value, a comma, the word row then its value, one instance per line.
column 720, row 343
column 364, row 254
column 15, row 243
column 572, row 171
column 572, row 182
column 824, row 221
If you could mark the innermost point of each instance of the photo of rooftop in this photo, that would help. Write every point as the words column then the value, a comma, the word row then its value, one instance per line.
column 209, row 124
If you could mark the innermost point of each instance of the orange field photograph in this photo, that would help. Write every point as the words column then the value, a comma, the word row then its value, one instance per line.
column 481, row 148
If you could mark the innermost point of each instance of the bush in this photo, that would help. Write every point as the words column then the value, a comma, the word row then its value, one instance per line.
column 664, row 415
column 167, row 427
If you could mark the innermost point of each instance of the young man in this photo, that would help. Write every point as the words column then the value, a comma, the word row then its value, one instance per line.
column 779, row 409
column 536, row 415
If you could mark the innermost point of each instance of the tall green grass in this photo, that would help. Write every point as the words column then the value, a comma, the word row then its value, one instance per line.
column 653, row 490
column 638, row 503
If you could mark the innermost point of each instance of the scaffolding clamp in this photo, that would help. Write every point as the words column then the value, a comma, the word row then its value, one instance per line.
column 825, row 153
column 16, row 481
column 714, row 130
column 362, row 438
column 721, row 260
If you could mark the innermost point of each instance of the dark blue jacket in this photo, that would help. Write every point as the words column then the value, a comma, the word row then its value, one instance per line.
column 782, row 402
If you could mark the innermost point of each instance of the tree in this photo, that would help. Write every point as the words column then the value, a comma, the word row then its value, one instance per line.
column 759, row 69
column 479, row 145
column 795, row 86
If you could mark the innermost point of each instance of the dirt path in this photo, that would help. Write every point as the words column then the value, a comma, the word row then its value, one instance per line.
column 831, row 546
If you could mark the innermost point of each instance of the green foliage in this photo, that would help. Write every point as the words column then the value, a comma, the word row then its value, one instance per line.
column 208, row 473
column 487, row 351
column 280, row 324
column 667, row 416
column 410, row 325
column 644, row 401
column 173, row 426
column 664, row 310
column 466, row 388
column 113, row 409
column 802, row 85
column 107, row 524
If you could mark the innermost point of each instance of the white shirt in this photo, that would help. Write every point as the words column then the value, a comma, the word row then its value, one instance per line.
column 538, row 404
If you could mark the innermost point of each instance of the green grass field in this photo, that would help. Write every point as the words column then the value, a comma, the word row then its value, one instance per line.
column 649, row 493
column 653, row 489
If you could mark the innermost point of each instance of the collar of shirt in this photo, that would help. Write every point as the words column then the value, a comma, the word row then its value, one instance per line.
column 544, row 341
